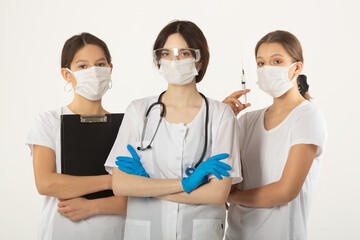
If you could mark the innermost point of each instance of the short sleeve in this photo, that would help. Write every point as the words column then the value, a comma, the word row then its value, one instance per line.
column 42, row 132
column 241, row 127
column 126, row 135
column 310, row 128
column 227, row 141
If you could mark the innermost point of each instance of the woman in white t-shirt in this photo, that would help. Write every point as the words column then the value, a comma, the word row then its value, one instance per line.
column 165, row 200
column 86, row 65
column 281, row 147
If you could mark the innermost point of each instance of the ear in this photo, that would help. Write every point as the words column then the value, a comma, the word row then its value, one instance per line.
column 66, row 75
column 198, row 66
column 111, row 66
column 299, row 68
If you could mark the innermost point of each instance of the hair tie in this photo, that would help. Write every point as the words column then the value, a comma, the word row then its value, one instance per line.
column 302, row 84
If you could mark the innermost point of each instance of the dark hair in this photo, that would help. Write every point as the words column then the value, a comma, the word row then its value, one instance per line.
column 76, row 42
column 194, row 38
column 293, row 47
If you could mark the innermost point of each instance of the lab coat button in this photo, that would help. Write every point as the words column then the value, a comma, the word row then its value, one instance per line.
column 174, row 211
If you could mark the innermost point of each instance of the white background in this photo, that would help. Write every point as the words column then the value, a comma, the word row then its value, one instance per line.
column 32, row 34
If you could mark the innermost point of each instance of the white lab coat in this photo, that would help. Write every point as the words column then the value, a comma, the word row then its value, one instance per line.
column 176, row 147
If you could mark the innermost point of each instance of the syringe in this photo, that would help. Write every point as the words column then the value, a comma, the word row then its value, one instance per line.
column 243, row 83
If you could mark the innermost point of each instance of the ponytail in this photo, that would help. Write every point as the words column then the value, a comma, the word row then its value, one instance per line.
column 303, row 86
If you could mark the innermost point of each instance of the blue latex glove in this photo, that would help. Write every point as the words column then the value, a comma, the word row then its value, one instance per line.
column 211, row 166
column 131, row 165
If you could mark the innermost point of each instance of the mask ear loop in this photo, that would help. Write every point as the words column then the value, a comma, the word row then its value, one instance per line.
column 110, row 84
column 67, row 91
column 296, row 76
column 198, row 68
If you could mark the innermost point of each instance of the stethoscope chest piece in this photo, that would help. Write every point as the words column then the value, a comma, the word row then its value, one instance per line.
column 189, row 171
column 143, row 149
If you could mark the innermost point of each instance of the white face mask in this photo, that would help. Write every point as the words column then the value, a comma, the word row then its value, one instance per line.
column 178, row 72
column 274, row 80
column 92, row 83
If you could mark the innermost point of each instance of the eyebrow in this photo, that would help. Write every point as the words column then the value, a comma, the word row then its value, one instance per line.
column 180, row 48
column 81, row 61
column 271, row 56
column 100, row 59
column 277, row 55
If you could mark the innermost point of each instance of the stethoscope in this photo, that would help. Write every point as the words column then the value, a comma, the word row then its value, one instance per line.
column 190, row 169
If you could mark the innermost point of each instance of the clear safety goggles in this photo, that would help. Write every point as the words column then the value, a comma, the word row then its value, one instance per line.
column 176, row 53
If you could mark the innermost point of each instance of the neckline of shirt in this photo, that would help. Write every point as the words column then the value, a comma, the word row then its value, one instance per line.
column 262, row 118
column 192, row 121
column 66, row 110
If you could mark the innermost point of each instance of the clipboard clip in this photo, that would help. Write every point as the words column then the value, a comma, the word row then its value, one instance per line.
column 94, row 118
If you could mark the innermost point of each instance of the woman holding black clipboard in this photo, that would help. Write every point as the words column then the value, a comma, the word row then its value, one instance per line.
column 86, row 65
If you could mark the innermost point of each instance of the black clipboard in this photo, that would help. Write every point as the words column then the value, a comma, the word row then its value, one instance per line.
column 86, row 141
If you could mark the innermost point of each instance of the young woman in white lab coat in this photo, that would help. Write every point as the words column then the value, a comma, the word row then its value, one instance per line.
column 155, row 179
column 65, row 214
column 281, row 148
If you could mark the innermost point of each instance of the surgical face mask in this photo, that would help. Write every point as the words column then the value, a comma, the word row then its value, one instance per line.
column 178, row 72
column 92, row 83
column 274, row 80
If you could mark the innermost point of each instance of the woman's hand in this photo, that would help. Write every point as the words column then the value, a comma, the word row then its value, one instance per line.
column 76, row 209
column 234, row 102
column 210, row 166
column 131, row 165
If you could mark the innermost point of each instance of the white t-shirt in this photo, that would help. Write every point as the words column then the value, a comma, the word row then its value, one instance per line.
column 174, row 149
column 52, row 225
column 264, row 154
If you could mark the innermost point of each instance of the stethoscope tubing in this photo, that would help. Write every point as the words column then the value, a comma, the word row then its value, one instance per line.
column 189, row 170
